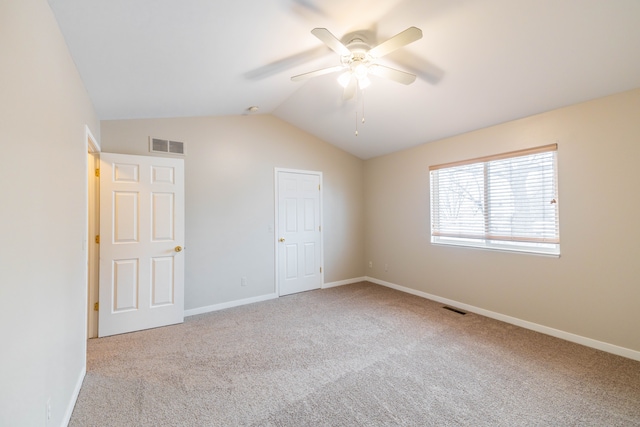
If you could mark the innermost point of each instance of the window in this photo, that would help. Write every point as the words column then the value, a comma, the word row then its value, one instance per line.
column 505, row 202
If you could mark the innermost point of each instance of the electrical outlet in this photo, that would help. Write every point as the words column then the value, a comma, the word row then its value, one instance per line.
column 243, row 281
column 370, row 264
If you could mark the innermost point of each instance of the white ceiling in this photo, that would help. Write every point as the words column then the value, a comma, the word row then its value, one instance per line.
column 479, row 63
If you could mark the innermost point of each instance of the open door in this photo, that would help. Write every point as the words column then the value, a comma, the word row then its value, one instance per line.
column 141, row 243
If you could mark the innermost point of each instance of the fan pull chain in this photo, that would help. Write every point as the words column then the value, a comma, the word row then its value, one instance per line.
column 357, row 94
column 360, row 94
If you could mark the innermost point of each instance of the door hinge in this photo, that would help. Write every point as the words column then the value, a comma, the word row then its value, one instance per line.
column 318, row 187
column 97, row 238
column 97, row 172
column 96, row 306
column 319, row 228
column 320, row 269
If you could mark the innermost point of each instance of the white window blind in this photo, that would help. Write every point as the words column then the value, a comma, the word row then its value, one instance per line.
column 508, row 201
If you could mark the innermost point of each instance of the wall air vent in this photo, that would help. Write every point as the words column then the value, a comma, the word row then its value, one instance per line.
column 455, row 310
column 166, row 146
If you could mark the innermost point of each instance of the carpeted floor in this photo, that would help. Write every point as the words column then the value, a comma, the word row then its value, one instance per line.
column 356, row 355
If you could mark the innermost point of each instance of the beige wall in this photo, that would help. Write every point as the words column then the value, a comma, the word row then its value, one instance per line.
column 229, row 174
column 43, row 216
column 593, row 289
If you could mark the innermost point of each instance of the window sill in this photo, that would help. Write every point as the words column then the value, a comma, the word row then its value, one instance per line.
column 548, row 251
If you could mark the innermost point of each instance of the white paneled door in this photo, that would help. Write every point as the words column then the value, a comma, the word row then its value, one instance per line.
column 299, row 232
column 141, row 243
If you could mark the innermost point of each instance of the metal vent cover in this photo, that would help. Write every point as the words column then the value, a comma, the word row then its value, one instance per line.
column 166, row 146
column 455, row 310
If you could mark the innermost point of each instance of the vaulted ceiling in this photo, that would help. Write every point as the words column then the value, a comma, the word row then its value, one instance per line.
column 479, row 62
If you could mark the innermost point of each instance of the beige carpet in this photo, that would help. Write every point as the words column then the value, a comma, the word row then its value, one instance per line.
column 356, row 355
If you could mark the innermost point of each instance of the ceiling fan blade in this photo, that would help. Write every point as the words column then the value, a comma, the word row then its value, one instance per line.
column 392, row 74
column 315, row 73
column 413, row 64
column 350, row 89
column 285, row 63
column 330, row 40
column 409, row 35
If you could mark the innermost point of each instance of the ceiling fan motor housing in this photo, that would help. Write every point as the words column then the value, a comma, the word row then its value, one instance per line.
column 358, row 60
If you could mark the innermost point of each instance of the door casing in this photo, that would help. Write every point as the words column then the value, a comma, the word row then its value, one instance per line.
column 92, row 229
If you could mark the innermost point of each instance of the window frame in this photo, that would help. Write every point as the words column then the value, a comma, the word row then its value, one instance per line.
column 489, row 240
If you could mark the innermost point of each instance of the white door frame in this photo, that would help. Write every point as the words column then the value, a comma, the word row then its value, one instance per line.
column 91, row 228
column 276, row 234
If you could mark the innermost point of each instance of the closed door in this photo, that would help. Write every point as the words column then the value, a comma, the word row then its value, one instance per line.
column 299, row 232
column 141, row 243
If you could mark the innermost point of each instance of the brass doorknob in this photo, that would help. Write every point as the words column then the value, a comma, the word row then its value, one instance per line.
column 281, row 239
column 178, row 248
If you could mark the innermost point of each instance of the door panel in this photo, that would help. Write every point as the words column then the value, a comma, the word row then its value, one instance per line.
column 162, row 281
column 163, row 217
column 291, row 214
column 309, row 215
column 123, row 172
column 125, row 285
column 299, row 247
column 291, row 261
column 125, row 217
column 310, row 259
column 142, row 224
column 162, row 175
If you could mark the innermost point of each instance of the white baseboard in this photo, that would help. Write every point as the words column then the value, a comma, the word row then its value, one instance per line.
column 567, row 336
column 74, row 398
column 230, row 304
column 237, row 303
column 343, row 282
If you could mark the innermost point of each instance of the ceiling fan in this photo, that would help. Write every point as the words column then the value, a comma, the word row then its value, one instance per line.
column 358, row 59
